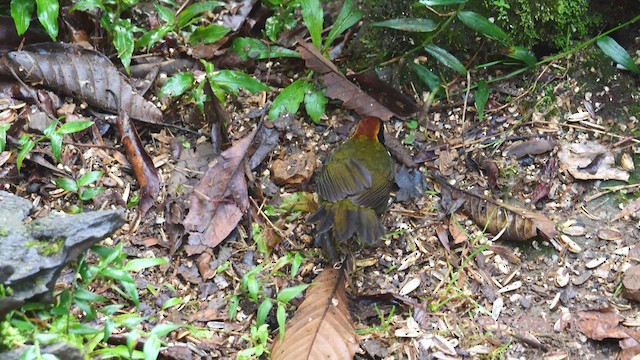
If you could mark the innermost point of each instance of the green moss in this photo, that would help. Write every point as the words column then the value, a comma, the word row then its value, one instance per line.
column 47, row 247
column 546, row 21
column 4, row 232
column 10, row 337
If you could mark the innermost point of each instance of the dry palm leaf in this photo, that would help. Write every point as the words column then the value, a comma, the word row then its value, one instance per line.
column 84, row 74
column 341, row 88
column 496, row 217
column 322, row 327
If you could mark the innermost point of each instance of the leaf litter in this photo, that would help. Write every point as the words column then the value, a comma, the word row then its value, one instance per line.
column 518, row 293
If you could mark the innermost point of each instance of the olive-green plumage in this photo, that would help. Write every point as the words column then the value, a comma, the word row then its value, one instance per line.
column 354, row 188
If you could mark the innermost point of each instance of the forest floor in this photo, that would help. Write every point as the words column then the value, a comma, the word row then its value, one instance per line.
column 551, row 141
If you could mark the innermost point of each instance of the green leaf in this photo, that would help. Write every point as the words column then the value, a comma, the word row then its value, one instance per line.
column 253, row 288
column 151, row 37
column 446, row 58
column 21, row 12
column 289, row 99
column 190, row 12
column 162, row 330
column 281, row 318
column 482, row 96
column 263, row 311
column 141, row 264
column 177, row 84
column 522, row 54
column 88, row 310
column 132, row 291
column 441, row 2
column 408, row 24
column 24, row 151
column 427, row 76
column 616, row 52
column 90, row 178
column 347, row 17
column 233, row 81
column 90, row 193
column 313, row 19
column 118, row 274
column 123, row 41
column 166, row 14
column 208, row 34
column 71, row 127
column 233, row 306
column 82, row 329
column 480, row 24
column 171, row 303
column 255, row 49
column 3, row 135
column 56, row 145
column 47, row 11
column 285, row 295
column 315, row 103
column 85, row 5
column 151, row 348
column 295, row 264
column 86, row 295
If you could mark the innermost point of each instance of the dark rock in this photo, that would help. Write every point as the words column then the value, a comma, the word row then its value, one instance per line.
column 60, row 351
column 33, row 255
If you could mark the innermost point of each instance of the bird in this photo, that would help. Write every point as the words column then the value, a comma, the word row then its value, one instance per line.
column 353, row 189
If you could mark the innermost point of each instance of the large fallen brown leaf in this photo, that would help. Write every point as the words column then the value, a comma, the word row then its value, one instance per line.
column 339, row 87
column 84, row 74
column 518, row 224
column 219, row 200
column 601, row 324
column 141, row 163
column 322, row 327
column 590, row 160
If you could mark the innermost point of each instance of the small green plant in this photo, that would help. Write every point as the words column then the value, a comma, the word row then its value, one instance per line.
column 258, row 343
column 122, row 30
column 62, row 322
column 222, row 82
column 385, row 322
column 304, row 90
column 52, row 132
column 47, row 11
column 81, row 186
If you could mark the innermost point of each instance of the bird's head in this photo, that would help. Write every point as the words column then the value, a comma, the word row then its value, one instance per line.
column 370, row 127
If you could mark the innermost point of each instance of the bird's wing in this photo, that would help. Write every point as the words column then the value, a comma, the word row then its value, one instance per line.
column 342, row 178
column 375, row 197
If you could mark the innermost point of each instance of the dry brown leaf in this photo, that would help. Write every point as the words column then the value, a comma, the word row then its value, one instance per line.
column 219, row 200
column 518, row 224
column 84, row 74
column 322, row 327
column 590, row 160
column 141, row 163
column 531, row 147
column 601, row 324
column 339, row 87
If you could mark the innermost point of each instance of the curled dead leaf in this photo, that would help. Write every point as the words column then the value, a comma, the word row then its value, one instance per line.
column 513, row 223
column 141, row 163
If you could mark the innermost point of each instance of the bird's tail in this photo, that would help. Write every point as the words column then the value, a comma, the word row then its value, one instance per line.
column 347, row 220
